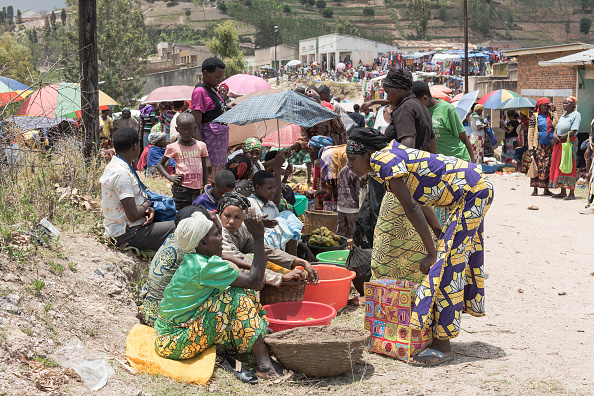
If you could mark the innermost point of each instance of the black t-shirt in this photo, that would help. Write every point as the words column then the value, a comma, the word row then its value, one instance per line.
column 411, row 118
column 510, row 130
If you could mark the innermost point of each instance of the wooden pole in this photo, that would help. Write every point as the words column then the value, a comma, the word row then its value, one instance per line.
column 89, row 69
column 465, row 46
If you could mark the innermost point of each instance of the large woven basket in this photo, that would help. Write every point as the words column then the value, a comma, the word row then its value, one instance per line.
column 315, row 219
column 319, row 351
column 287, row 291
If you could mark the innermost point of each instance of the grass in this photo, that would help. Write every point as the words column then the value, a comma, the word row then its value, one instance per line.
column 38, row 285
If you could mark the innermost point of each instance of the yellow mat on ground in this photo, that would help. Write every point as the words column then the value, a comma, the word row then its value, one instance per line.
column 140, row 352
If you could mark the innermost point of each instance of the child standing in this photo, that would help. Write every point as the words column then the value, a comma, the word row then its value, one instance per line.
column 190, row 157
column 224, row 182
column 348, row 202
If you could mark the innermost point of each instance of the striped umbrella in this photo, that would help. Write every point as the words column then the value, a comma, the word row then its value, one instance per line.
column 12, row 91
column 493, row 99
column 517, row 103
column 60, row 100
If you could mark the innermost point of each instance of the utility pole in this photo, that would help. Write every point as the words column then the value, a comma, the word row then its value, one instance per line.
column 465, row 46
column 275, row 44
column 89, row 69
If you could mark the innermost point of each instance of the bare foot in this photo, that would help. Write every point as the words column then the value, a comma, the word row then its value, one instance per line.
column 442, row 346
column 270, row 371
column 558, row 196
column 357, row 301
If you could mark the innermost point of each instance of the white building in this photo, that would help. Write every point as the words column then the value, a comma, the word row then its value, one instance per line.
column 332, row 49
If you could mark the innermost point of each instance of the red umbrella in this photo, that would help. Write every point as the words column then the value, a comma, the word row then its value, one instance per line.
column 169, row 94
column 457, row 97
column 441, row 88
column 437, row 94
column 288, row 137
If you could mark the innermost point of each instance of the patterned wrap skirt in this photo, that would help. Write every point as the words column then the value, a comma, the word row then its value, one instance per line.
column 542, row 157
column 478, row 146
column 557, row 178
column 510, row 150
column 233, row 317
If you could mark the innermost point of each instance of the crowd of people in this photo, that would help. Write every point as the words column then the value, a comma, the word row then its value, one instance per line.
column 406, row 183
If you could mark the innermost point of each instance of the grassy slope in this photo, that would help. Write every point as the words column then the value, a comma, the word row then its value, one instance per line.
column 535, row 22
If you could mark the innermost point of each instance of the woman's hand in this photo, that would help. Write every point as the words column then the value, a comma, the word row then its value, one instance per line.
column 312, row 274
column 296, row 275
column 426, row 263
column 254, row 223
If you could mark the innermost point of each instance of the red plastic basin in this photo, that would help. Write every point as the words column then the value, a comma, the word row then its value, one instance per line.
column 334, row 286
column 287, row 315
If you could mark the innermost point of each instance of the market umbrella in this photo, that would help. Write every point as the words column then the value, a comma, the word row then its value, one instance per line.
column 457, row 97
column 266, row 67
column 169, row 94
column 60, row 100
column 437, row 94
column 285, row 137
column 441, row 88
column 495, row 98
column 294, row 63
column 315, row 64
column 517, row 103
column 12, row 91
column 463, row 105
column 26, row 123
column 341, row 66
column 243, row 84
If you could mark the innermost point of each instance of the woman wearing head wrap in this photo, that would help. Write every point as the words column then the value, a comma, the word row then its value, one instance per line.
column 541, row 129
column 241, row 167
column 224, row 91
column 315, row 147
column 477, row 133
column 453, row 268
column 567, row 128
column 239, row 243
column 209, row 303
column 252, row 148
column 521, row 155
column 156, row 150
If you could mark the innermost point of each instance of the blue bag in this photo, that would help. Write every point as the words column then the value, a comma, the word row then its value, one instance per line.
column 163, row 205
column 491, row 136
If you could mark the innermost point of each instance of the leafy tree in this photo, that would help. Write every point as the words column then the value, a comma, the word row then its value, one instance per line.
column 368, row 11
column 63, row 16
column 19, row 17
column 442, row 13
column 419, row 12
column 225, row 45
column 121, row 44
column 188, row 12
column 286, row 9
column 303, row 2
column 585, row 25
column 15, row 59
column 311, row 2
column 265, row 35
column 347, row 27
column 248, row 3
column 567, row 28
column 53, row 19
column 321, row 4
column 222, row 6
column 479, row 17
column 10, row 14
column 327, row 13
column 586, row 4
column 3, row 16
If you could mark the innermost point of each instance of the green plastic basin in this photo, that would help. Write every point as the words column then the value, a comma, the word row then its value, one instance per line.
column 335, row 256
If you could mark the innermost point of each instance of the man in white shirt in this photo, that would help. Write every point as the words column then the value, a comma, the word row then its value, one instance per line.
column 128, row 216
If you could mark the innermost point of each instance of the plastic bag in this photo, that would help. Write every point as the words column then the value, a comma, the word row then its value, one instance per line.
column 289, row 227
column 566, row 165
column 93, row 368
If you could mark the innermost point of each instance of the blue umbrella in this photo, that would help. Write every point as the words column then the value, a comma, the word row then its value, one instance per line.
column 288, row 106
column 27, row 123
column 517, row 103
column 463, row 106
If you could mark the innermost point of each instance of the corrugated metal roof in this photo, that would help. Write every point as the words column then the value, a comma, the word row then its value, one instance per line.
column 578, row 59
column 548, row 49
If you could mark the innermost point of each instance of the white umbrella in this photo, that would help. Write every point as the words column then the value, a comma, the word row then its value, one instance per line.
column 294, row 63
column 341, row 66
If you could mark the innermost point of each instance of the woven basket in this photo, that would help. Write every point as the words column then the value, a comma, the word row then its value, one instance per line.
column 319, row 351
column 315, row 219
column 287, row 291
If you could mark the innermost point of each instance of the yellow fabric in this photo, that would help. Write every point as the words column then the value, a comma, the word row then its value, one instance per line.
column 105, row 127
column 140, row 352
column 276, row 268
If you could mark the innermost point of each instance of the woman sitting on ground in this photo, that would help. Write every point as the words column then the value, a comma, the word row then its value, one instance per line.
column 241, row 167
column 209, row 303
column 238, row 242
column 454, row 267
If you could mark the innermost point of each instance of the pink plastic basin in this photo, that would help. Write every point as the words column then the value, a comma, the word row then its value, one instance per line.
column 287, row 315
column 334, row 286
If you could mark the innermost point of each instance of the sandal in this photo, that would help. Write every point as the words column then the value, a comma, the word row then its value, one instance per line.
column 432, row 353
column 239, row 371
column 568, row 198
column 558, row 196
column 287, row 375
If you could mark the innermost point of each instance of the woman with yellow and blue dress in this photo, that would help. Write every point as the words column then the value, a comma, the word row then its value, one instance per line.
column 454, row 265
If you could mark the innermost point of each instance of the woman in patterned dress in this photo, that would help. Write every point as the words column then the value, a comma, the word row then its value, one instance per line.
column 207, row 302
column 454, row 265
column 541, row 129
column 477, row 134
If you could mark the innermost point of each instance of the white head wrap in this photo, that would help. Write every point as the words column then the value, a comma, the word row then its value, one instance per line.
column 154, row 137
column 190, row 231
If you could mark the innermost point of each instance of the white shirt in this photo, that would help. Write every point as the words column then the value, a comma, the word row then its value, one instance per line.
column 173, row 134
column 268, row 208
column 118, row 182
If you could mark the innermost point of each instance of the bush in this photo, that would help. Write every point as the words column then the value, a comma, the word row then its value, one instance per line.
column 327, row 13
column 311, row 2
column 368, row 11
column 442, row 13
column 222, row 7
column 286, row 9
column 585, row 25
column 321, row 4
column 248, row 3
column 188, row 12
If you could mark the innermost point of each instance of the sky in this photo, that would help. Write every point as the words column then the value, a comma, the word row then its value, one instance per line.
column 34, row 4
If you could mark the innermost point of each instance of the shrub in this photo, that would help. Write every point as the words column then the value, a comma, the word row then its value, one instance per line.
column 368, row 11
column 442, row 13
column 248, row 3
column 321, row 4
column 327, row 13
column 222, row 7
column 188, row 12
column 286, row 9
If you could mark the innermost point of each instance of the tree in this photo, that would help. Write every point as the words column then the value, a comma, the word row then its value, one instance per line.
column 327, row 13
column 53, row 19
column 248, row 3
column 347, row 27
column 585, row 25
column 188, row 12
column 265, row 36
column 10, row 15
column 63, row 16
column 121, row 43
column 15, row 59
column 368, row 11
column 286, row 9
column 586, row 4
column 222, row 6
column 567, row 28
column 442, row 13
column 419, row 12
column 321, row 4
column 19, row 17
column 225, row 45
column 479, row 16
